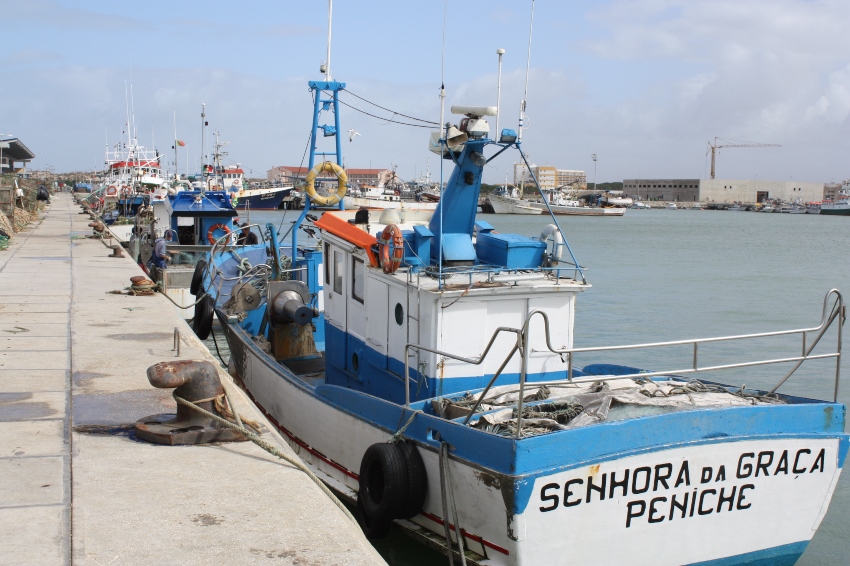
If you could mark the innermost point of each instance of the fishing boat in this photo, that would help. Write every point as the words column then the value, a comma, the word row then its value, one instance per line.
column 638, row 205
column 840, row 205
column 671, row 206
column 493, row 443
column 390, row 193
column 617, row 199
column 558, row 201
column 506, row 200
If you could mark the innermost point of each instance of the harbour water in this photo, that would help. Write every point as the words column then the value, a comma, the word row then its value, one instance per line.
column 661, row 275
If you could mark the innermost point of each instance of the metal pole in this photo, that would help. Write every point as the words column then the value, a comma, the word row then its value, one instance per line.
column 330, row 19
column 203, row 124
column 499, row 52
column 593, row 157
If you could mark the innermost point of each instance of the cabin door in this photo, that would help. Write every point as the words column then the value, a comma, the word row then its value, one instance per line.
column 335, row 306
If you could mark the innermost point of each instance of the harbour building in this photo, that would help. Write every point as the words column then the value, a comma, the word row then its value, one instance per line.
column 550, row 177
column 722, row 190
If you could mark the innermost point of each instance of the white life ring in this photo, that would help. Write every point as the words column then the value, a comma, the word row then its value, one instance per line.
column 551, row 233
column 341, row 187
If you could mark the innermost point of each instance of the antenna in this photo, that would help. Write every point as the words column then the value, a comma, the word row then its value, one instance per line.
column 499, row 52
column 330, row 21
column 527, row 70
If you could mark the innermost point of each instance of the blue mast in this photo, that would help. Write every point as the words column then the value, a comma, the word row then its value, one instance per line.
column 321, row 104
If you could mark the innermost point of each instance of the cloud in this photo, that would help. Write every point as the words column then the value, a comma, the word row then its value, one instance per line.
column 49, row 13
column 24, row 57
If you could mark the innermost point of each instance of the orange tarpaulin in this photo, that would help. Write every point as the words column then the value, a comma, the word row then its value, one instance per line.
column 350, row 233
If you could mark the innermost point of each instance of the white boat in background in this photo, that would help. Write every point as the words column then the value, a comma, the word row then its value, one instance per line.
column 560, row 202
column 505, row 200
column 737, row 207
column 767, row 208
column 671, row 206
column 638, row 205
column 813, row 207
column 696, row 206
column 616, row 198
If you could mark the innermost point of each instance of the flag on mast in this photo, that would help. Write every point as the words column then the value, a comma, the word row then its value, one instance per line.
column 180, row 143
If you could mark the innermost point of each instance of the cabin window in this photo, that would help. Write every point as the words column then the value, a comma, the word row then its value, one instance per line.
column 399, row 314
column 358, row 279
column 339, row 259
column 327, row 264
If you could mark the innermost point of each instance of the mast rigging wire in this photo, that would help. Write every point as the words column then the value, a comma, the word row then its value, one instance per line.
column 388, row 110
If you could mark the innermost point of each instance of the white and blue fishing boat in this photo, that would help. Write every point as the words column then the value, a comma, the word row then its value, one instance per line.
column 427, row 373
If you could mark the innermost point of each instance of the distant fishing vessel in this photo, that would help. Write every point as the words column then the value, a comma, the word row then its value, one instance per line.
column 840, row 205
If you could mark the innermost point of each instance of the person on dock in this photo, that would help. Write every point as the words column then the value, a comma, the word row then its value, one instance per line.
column 160, row 252
column 246, row 237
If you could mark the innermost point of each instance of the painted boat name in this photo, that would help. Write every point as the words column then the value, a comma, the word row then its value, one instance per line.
column 701, row 500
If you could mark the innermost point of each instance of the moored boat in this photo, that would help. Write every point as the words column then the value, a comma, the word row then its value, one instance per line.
column 493, row 440
column 840, row 205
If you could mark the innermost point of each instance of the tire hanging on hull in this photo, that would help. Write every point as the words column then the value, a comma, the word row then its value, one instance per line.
column 393, row 485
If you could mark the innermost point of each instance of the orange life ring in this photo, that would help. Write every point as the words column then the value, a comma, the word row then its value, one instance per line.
column 391, row 237
column 211, row 234
column 111, row 191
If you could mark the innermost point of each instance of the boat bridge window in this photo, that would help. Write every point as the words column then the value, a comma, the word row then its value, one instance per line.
column 339, row 261
column 327, row 262
column 358, row 279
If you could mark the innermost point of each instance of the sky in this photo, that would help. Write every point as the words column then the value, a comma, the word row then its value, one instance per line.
column 642, row 84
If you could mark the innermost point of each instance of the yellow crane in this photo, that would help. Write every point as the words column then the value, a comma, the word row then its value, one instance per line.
column 714, row 147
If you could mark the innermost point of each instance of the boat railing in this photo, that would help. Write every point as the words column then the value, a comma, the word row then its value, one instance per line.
column 828, row 316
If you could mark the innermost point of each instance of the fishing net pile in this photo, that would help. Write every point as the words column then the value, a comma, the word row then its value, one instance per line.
column 547, row 408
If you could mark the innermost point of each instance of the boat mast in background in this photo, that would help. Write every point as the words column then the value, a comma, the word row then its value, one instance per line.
column 527, row 70
column 203, row 125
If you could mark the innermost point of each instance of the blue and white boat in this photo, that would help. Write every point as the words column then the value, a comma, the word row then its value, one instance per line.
column 426, row 372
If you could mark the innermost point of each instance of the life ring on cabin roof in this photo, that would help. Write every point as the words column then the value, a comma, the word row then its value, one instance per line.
column 111, row 191
column 551, row 233
column 211, row 238
column 341, row 187
column 391, row 246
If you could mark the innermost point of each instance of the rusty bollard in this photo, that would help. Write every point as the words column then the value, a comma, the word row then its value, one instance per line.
column 196, row 381
column 116, row 251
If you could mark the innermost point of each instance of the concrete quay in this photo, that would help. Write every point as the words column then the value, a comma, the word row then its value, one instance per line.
column 75, row 486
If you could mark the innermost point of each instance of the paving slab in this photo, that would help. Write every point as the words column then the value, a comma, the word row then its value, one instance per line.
column 33, row 380
column 27, row 439
column 43, row 541
column 31, row 481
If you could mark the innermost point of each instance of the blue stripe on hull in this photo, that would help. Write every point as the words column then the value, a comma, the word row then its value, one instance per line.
column 785, row 555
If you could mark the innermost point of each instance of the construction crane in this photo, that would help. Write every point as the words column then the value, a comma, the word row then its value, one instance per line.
column 714, row 147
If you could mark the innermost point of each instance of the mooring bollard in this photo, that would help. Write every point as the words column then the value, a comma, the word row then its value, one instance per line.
column 116, row 251
column 196, row 381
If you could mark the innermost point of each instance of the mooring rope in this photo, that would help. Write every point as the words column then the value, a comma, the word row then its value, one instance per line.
column 271, row 449
column 448, row 496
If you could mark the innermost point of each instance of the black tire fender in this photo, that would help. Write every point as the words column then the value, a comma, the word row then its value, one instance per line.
column 417, row 480
column 202, row 323
column 372, row 528
column 198, row 277
column 383, row 482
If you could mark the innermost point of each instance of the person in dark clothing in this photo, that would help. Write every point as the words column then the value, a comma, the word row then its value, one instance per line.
column 246, row 237
column 43, row 194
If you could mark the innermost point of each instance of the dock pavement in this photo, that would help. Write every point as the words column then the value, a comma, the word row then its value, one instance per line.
column 75, row 486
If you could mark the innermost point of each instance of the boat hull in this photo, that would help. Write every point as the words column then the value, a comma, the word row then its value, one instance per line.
column 648, row 483
column 267, row 200
column 352, row 203
column 838, row 211
column 508, row 205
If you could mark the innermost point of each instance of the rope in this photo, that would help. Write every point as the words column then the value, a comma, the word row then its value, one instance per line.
column 178, row 306
column 447, row 488
column 273, row 450
column 397, row 436
column 222, row 405
column 216, row 348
